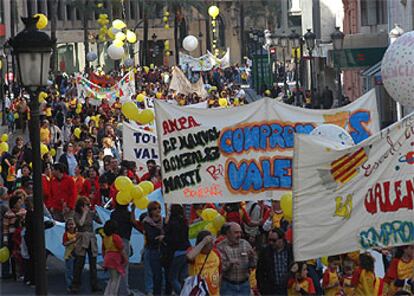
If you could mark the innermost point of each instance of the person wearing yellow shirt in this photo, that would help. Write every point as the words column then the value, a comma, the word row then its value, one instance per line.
column 401, row 269
column 205, row 260
column 330, row 279
column 299, row 283
column 364, row 279
column 45, row 133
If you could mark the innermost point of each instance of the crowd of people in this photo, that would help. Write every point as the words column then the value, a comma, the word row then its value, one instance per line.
column 82, row 157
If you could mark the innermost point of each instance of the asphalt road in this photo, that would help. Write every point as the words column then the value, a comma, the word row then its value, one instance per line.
column 57, row 286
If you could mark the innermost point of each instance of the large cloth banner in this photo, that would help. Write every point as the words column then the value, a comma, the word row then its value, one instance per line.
column 355, row 198
column 243, row 153
column 124, row 89
column 223, row 62
column 202, row 63
column 182, row 85
column 139, row 145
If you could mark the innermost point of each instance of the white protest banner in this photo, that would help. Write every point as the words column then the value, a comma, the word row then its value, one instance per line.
column 355, row 198
column 223, row 63
column 243, row 153
column 202, row 63
column 139, row 145
column 124, row 89
column 182, row 85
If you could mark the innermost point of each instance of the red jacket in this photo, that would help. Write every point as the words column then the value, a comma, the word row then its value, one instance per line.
column 87, row 190
column 46, row 191
column 62, row 191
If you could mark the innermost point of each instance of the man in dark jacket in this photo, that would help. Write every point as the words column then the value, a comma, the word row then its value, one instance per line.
column 273, row 265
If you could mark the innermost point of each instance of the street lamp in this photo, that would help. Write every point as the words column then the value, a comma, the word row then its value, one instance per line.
column 295, row 42
column 310, row 39
column 283, row 40
column 338, row 43
column 32, row 50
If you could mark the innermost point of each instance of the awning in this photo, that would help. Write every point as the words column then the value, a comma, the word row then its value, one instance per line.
column 372, row 71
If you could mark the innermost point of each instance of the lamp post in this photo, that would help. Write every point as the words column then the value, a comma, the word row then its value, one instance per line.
column 6, row 52
column 295, row 42
column 32, row 50
column 338, row 43
column 310, row 39
column 284, row 44
column 394, row 34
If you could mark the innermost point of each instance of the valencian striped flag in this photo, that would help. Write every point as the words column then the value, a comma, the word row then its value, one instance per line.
column 346, row 167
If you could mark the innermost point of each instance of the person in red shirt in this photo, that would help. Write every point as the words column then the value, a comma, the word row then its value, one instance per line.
column 105, row 106
column 151, row 167
column 91, row 187
column 63, row 193
column 299, row 283
column 46, row 178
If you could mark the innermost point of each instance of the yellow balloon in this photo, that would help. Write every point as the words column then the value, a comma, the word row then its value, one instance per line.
column 4, row 255
column 42, row 96
column 146, row 69
column 118, row 43
column 130, row 110
column 146, row 116
column 123, row 197
column 286, row 205
column 158, row 95
column 77, row 132
column 118, row 24
column 141, row 203
column 1, row 64
column 78, row 111
column 131, row 36
column 53, row 152
column 42, row 22
column 267, row 92
column 31, row 165
column 165, row 19
column 4, row 137
column 16, row 115
column 152, row 66
column 43, row 149
column 4, row 147
column 110, row 33
column 140, row 98
column 147, row 187
column 166, row 13
column 123, row 183
column 209, row 214
column 324, row 260
column 136, row 192
column 120, row 36
column 213, row 11
column 166, row 27
column 218, row 222
column 210, row 227
column 223, row 102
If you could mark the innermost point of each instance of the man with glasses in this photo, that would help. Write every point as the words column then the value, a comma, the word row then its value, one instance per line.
column 273, row 265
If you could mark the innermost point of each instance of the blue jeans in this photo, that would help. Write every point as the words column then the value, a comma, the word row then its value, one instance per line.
column 152, row 271
column 178, row 273
column 228, row 289
column 69, row 271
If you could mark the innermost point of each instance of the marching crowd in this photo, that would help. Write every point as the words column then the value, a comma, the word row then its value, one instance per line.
column 82, row 157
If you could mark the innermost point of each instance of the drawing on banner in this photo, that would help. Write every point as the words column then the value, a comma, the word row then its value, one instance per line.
column 373, row 196
column 227, row 156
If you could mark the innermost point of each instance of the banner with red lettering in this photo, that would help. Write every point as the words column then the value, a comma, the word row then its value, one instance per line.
column 355, row 198
column 243, row 153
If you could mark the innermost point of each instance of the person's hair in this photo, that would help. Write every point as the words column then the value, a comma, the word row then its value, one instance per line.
column 296, row 267
column 334, row 258
column 366, row 262
column 201, row 235
column 225, row 228
column 13, row 200
column 110, row 227
column 151, row 161
column 122, row 170
column 60, row 167
column 280, row 233
column 232, row 207
column 177, row 213
column 80, row 203
column 67, row 223
column 400, row 251
column 151, row 206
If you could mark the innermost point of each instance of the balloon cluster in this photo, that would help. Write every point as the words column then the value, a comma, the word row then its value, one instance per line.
column 214, row 220
column 4, row 146
column 131, row 111
column 103, row 30
column 165, row 20
column 43, row 149
column 167, row 51
column 214, row 11
column 41, row 22
column 128, row 192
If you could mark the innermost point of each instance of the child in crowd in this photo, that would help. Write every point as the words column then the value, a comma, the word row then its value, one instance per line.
column 69, row 241
column 364, row 278
column 330, row 280
column 348, row 269
column 11, row 174
column 400, row 274
column 299, row 283
column 115, row 258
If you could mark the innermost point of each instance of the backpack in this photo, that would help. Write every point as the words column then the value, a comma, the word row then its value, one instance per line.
column 196, row 285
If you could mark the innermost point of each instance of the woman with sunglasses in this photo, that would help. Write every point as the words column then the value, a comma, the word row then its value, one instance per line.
column 154, row 236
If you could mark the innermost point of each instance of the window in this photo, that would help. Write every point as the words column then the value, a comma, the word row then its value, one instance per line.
column 373, row 12
column 133, row 9
column 68, row 8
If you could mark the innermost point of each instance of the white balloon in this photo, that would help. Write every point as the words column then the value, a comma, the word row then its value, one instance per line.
column 397, row 70
column 129, row 62
column 334, row 133
column 115, row 53
column 190, row 43
column 91, row 56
